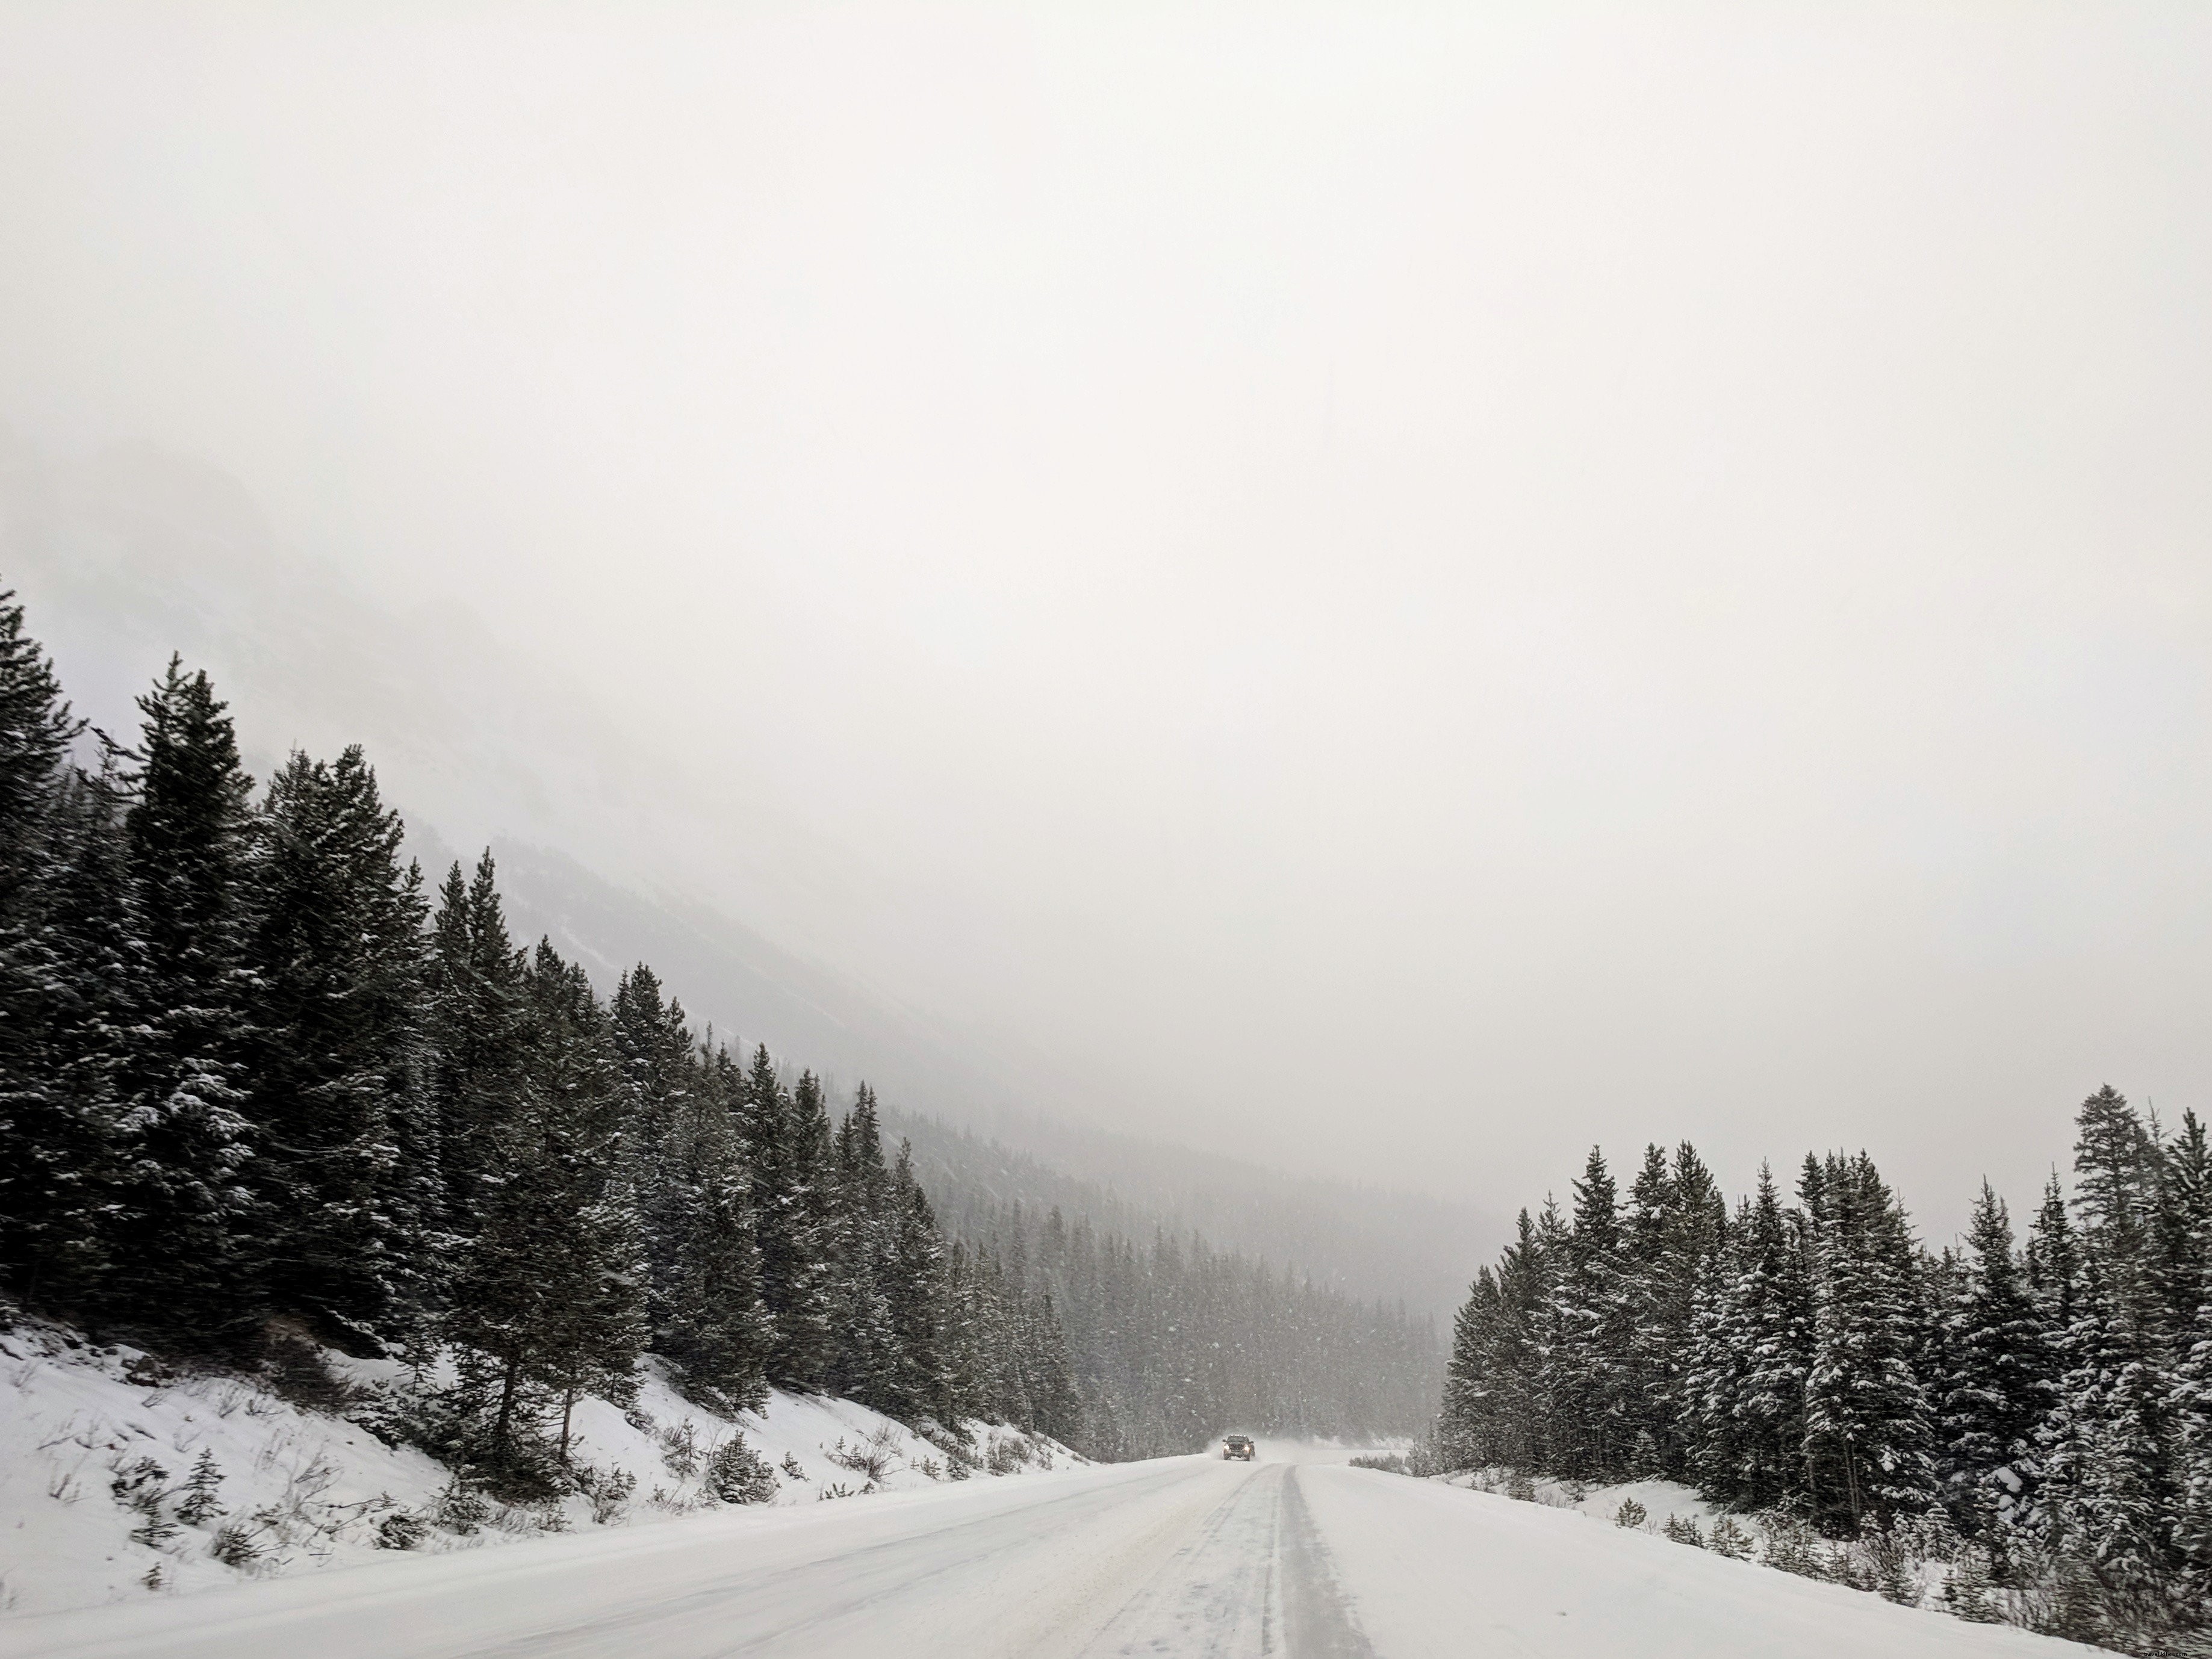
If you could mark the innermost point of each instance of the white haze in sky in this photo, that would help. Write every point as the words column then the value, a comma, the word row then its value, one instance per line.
column 1405, row 590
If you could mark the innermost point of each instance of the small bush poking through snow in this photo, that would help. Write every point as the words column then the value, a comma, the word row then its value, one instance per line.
column 199, row 1506
column 1729, row 1540
column 1388, row 1462
column 235, row 1545
column 1629, row 1514
column 1682, row 1530
column 737, row 1474
column 1793, row 1546
column 791, row 1468
column 1966, row 1593
column 870, row 1458
column 608, row 1490
column 401, row 1529
column 461, row 1509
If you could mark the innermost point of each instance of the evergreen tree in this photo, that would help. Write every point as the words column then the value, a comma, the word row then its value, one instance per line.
column 2110, row 1499
column 1754, row 1353
column 76, row 982
column 1868, row 1422
column 1998, row 1384
column 708, row 1316
column 548, row 1303
column 863, row 1236
column 475, row 1022
column 924, row 1385
column 182, row 1200
column 338, row 1061
column 784, row 1144
column 1591, row 1408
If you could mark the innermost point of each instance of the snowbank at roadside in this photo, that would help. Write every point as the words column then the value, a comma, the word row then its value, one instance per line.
column 1660, row 1500
column 122, row 1477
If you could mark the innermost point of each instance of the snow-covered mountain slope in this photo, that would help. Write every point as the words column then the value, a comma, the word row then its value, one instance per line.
column 99, row 1446
column 1174, row 1557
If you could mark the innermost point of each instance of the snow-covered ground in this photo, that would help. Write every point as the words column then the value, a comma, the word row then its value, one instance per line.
column 1660, row 1500
column 98, row 1448
column 1179, row 1556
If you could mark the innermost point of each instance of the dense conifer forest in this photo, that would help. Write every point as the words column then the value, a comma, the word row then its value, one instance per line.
column 2038, row 1410
column 260, row 1075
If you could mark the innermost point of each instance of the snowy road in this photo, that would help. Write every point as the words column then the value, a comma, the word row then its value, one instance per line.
column 1183, row 1556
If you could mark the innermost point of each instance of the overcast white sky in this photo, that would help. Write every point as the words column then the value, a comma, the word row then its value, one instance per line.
column 1405, row 588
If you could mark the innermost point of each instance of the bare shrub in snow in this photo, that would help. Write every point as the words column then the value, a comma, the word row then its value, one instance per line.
column 1004, row 1456
column 791, row 1467
column 1387, row 1462
column 236, row 1545
column 608, row 1490
column 869, row 1458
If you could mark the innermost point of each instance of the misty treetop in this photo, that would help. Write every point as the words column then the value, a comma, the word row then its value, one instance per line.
column 256, row 1074
column 2048, row 1400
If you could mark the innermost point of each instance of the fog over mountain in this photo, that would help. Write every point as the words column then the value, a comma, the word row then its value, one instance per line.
column 1383, row 596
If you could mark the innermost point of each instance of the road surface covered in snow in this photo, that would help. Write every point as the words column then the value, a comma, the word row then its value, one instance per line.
column 1180, row 1556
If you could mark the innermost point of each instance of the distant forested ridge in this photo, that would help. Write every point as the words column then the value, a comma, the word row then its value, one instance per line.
column 257, row 1072
column 2045, row 1406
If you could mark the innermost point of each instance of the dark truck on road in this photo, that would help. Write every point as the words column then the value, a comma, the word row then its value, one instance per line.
column 1238, row 1445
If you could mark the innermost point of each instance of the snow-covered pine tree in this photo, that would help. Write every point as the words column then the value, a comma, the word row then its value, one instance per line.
column 1753, row 1351
column 657, row 1071
column 1693, row 1228
column 1590, row 1411
column 707, row 1313
column 76, row 995
column 2108, row 1500
column 1493, row 1395
column 548, row 1300
column 2187, row 1248
column 1056, row 1404
column 55, row 1139
column 862, row 1237
column 787, row 1146
column 475, row 1021
column 925, row 1384
column 1999, row 1381
column 181, row 1198
column 1869, row 1425
column 337, row 1072
column 1654, row 1343
column 37, row 729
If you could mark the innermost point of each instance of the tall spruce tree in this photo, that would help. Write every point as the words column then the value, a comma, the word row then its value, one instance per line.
column 182, row 1197
column 346, row 1173
column 474, row 1019
column 707, row 1312
column 1999, row 1383
column 77, row 998
column 1868, row 1435
column 548, row 1303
